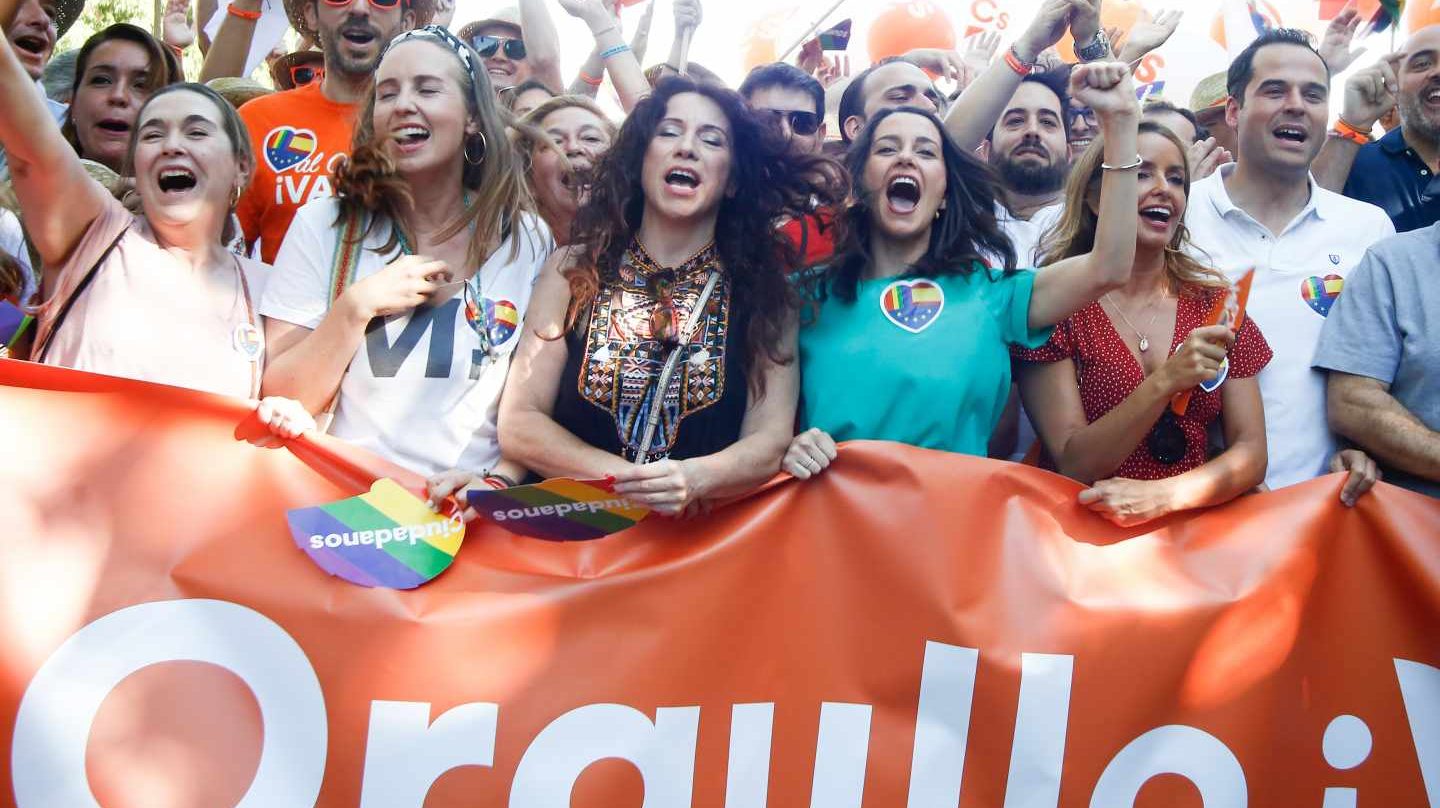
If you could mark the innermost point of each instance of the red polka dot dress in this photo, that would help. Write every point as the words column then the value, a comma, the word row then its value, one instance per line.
column 1108, row 373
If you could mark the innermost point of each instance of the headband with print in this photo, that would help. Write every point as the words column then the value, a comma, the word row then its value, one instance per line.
column 436, row 33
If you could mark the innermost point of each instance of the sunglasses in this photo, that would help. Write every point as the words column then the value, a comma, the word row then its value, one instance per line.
column 382, row 4
column 1167, row 442
column 301, row 75
column 801, row 122
column 487, row 45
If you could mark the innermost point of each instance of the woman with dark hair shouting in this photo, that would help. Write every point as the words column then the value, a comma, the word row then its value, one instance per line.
column 660, row 347
column 1099, row 391
column 909, row 335
column 400, row 300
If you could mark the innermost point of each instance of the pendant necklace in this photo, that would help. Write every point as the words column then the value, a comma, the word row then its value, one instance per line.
column 1144, row 340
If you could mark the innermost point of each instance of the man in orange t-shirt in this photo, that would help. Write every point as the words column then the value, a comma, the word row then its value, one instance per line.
column 300, row 135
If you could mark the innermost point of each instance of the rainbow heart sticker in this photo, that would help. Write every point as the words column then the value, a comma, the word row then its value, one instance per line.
column 1320, row 293
column 558, row 509
column 912, row 305
column 503, row 318
column 286, row 146
column 388, row 538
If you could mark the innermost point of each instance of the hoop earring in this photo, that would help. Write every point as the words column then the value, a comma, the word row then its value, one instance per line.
column 484, row 147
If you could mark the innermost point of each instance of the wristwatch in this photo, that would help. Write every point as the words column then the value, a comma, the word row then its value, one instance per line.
column 1098, row 48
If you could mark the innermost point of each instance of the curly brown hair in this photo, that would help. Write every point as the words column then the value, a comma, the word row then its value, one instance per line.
column 368, row 183
column 769, row 183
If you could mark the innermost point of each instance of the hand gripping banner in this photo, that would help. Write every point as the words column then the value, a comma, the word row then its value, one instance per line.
column 911, row 629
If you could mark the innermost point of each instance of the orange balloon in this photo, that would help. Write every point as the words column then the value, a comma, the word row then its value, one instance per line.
column 1419, row 14
column 906, row 26
column 1122, row 14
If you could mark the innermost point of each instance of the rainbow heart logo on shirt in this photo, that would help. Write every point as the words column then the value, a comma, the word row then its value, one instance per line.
column 503, row 318
column 912, row 305
column 286, row 147
column 1320, row 293
column 388, row 537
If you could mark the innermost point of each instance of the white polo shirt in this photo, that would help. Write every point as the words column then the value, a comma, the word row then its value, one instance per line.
column 1026, row 234
column 1298, row 273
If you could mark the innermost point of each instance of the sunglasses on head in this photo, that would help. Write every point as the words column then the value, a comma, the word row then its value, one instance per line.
column 487, row 45
column 302, row 75
column 801, row 122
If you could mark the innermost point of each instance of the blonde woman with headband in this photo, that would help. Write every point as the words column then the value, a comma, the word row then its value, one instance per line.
column 400, row 300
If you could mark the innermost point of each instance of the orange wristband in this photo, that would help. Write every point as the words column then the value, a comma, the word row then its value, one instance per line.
column 1018, row 66
column 252, row 16
column 1348, row 132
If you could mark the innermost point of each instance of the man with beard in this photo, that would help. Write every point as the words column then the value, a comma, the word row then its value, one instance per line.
column 301, row 135
column 1029, row 149
column 1265, row 212
column 1396, row 172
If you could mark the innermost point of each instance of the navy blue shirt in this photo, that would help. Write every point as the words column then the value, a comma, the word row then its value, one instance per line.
column 1389, row 174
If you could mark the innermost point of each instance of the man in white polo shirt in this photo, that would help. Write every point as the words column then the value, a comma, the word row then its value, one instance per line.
column 1265, row 211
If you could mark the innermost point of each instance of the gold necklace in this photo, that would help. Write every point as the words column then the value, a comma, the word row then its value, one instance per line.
column 1144, row 340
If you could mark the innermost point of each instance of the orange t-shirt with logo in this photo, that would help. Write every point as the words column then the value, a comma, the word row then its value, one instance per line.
column 299, row 137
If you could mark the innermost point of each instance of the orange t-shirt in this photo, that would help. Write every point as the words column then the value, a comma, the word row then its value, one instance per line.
column 299, row 137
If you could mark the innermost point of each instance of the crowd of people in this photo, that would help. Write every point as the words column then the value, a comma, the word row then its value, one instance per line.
column 433, row 246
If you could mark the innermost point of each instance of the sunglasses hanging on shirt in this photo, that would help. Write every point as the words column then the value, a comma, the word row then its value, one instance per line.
column 1167, row 442
column 487, row 45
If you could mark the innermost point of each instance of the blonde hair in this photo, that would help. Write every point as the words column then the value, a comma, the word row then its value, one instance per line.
column 1074, row 234
column 369, row 183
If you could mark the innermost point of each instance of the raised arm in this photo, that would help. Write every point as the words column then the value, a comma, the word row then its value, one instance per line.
column 1369, row 94
column 972, row 117
column 617, row 56
column 231, row 47
column 1064, row 287
column 58, row 198
column 529, row 434
column 1147, row 36
column 688, row 14
column 542, row 43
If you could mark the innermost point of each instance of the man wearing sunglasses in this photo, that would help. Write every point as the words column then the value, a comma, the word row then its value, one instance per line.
column 518, row 44
column 301, row 135
column 791, row 100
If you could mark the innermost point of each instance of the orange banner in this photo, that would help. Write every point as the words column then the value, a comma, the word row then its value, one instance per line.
column 910, row 629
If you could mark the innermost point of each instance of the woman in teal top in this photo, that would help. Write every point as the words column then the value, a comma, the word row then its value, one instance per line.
column 908, row 338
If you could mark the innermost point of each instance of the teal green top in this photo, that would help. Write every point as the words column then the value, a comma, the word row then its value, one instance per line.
column 923, row 361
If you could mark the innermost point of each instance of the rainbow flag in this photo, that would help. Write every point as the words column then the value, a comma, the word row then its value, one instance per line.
column 1386, row 15
column 388, row 537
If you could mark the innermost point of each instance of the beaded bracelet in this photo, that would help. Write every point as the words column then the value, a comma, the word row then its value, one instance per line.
column 252, row 16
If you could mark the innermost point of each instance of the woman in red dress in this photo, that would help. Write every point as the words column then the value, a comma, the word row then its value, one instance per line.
column 1099, row 391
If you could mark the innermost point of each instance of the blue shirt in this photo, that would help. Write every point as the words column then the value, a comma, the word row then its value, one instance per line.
column 1389, row 174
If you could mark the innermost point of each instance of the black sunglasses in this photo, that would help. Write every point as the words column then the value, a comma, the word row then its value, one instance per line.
column 487, row 45
column 801, row 122
column 1167, row 442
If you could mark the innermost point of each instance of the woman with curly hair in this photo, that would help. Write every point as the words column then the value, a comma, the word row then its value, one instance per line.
column 400, row 299
column 1099, row 391
column 660, row 349
column 912, row 324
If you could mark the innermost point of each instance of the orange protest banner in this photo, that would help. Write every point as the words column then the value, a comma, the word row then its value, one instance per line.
column 909, row 629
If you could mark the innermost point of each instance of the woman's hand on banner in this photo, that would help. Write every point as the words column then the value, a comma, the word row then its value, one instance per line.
column 669, row 487
column 286, row 419
column 452, row 483
column 810, row 453
column 1129, row 502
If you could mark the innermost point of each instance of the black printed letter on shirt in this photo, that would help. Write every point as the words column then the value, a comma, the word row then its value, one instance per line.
column 386, row 359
